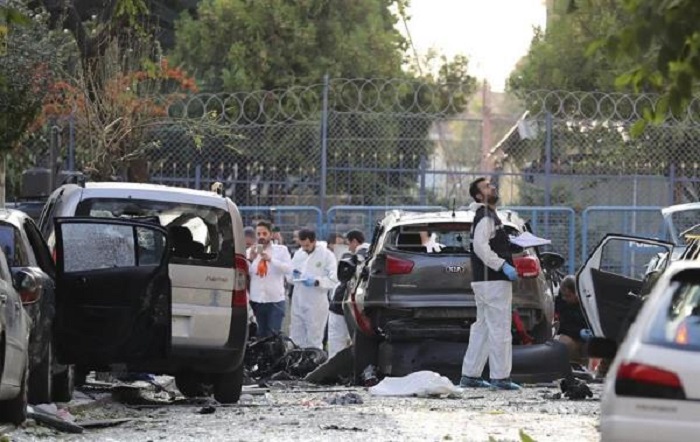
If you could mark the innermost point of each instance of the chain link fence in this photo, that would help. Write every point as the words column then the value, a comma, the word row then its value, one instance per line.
column 395, row 142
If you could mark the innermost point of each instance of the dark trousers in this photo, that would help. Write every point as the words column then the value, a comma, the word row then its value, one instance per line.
column 269, row 316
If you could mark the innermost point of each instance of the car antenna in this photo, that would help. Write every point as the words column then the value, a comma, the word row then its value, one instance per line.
column 454, row 204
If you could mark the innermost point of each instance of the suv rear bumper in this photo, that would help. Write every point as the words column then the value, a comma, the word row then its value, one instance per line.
column 531, row 363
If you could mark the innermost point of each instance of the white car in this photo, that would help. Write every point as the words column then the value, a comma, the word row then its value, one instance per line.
column 15, row 327
column 207, row 268
column 652, row 390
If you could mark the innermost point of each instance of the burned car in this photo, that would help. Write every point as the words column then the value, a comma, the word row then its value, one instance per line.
column 410, row 307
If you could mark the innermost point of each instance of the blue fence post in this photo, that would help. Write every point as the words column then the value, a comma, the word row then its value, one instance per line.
column 423, row 166
column 672, row 187
column 197, row 176
column 324, row 143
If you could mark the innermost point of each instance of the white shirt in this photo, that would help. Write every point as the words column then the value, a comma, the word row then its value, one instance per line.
column 270, row 288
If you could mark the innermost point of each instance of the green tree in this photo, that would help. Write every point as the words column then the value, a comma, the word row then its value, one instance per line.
column 560, row 59
column 284, row 49
column 665, row 32
column 237, row 45
column 26, row 69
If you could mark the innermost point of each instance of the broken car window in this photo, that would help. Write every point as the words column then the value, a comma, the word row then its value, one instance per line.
column 97, row 246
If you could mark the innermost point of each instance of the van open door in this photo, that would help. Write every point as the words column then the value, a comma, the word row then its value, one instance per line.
column 113, row 293
column 611, row 281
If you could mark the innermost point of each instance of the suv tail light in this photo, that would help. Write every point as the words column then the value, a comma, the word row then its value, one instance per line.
column 397, row 266
column 527, row 266
column 240, row 284
column 641, row 380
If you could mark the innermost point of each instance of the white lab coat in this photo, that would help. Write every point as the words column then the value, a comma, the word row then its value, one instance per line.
column 490, row 336
column 310, row 304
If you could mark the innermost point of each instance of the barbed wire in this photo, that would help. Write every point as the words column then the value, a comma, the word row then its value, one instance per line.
column 300, row 103
column 407, row 96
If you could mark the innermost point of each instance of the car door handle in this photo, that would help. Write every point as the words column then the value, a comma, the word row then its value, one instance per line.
column 3, row 299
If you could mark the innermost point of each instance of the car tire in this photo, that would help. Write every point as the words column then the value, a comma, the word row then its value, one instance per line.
column 40, row 380
column 14, row 410
column 365, row 353
column 63, row 385
column 190, row 384
column 228, row 386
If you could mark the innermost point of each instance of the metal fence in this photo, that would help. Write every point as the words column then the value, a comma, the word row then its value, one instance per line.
column 573, row 235
column 400, row 142
column 597, row 222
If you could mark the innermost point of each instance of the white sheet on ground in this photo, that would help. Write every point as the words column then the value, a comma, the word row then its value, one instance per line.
column 420, row 383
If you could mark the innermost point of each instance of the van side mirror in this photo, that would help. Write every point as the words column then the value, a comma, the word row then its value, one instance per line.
column 551, row 261
column 602, row 348
column 346, row 269
column 27, row 285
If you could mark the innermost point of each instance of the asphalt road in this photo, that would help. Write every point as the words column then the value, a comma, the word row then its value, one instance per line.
column 285, row 413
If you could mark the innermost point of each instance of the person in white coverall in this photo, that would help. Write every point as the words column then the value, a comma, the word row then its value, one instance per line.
column 338, row 335
column 492, row 275
column 314, row 274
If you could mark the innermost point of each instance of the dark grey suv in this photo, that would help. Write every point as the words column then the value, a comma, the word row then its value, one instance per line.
column 410, row 307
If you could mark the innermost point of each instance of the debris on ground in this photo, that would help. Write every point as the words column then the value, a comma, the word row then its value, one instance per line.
column 336, row 370
column 575, row 389
column 103, row 423
column 339, row 428
column 420, row 383
column 278, row 358
column 209, row 409
column 370, row 377
column 53, row 420
column 344, row 399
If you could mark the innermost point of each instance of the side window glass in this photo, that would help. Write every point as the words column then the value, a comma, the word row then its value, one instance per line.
column 88, row 246
column 11, row 243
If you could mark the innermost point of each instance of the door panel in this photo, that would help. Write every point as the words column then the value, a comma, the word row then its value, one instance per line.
column 113, row 292
column 610, row 282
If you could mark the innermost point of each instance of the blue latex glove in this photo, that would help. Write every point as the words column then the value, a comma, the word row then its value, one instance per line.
column 296, row 274
column 585, row 334
column 510, row 271
column 309, row 282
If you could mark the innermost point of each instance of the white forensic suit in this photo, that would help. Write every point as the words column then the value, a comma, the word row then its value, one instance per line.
column 310, row 304
column 338, row 334
column 490, row 336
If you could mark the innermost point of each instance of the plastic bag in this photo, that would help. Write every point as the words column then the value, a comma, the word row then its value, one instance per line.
column 420, row 383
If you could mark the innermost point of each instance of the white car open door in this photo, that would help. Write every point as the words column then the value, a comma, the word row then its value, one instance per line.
column 611, row 281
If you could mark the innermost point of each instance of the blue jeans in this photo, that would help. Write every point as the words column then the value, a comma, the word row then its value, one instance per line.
column 269, row 316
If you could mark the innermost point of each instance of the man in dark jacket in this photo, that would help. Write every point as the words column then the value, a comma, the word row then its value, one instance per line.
column 573, row 330
column 492, row 275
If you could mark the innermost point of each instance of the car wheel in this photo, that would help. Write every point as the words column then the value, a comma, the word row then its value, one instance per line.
column 63, row 385
column 14, row 410
column 190, row 384
column 40, row 379
column 365, row 352
column 228, row 386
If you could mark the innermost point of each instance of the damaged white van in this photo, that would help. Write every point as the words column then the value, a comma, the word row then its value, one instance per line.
column 207, row 269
